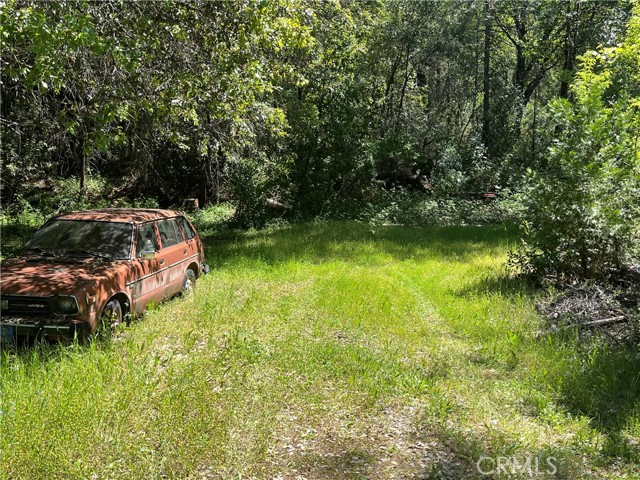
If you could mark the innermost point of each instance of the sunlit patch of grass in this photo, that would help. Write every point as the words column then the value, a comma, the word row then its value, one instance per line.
column 330, row 351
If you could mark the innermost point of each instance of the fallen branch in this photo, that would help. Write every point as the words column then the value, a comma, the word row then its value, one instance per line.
column 605, row 321
column 593, row 323
column 283, row 207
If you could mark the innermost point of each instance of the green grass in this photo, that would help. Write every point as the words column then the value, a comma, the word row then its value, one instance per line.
column 328, row 351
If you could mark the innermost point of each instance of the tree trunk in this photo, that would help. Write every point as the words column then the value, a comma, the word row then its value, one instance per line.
column 83, row 176
column 83, row 167
column 568, row 52
column 533, row 129
column 220, row 161
column 486, row 123
column 519, row 74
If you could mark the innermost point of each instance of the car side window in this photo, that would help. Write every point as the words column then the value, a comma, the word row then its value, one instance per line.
column 147, row 241
column 186, row 228
column 169, row 233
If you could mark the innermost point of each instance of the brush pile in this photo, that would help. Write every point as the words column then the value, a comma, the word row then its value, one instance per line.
column 611, row 308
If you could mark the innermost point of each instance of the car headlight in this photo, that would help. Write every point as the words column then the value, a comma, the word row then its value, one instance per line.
column 5, row 304
column 67, row 304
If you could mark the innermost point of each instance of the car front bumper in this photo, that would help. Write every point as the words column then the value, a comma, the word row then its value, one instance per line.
column 12, row 327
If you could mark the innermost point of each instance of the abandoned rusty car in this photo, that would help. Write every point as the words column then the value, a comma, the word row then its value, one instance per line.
column 83, row 270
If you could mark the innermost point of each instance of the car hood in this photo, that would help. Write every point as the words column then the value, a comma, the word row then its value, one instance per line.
column 33, row 276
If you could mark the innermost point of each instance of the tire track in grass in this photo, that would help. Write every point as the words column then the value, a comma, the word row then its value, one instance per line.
column 375, row 441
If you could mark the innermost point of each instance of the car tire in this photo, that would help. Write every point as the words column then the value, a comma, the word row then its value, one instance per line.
column 112, row 315
column 189, row 282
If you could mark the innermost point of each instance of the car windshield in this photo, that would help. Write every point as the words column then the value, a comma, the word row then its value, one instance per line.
column 109, row 239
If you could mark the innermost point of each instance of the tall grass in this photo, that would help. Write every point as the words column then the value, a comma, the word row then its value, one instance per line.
column 327, row 351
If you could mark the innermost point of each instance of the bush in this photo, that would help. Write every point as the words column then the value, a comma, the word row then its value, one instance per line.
column 253, row 183
column 415, row 209
column 212, row 218
column 583, row 212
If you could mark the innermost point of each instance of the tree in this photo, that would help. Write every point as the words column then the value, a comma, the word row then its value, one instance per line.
column 312, row 104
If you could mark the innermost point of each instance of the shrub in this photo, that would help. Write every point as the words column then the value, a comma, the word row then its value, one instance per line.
column 253, row 183
column 583, row 212
column 212, row 218
column 416, row 209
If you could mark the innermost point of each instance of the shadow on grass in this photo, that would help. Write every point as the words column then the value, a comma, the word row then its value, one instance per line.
column 599, row 378
column 356, row 243
column 465, row 448
column 604, row 385
column 503, row 284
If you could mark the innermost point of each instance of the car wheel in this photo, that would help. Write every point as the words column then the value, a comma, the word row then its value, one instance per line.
column 112, row 316
column 189, row 283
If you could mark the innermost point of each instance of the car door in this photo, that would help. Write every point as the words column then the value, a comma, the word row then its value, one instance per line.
column 147, row 281
column 172, row 256
column 193, row 250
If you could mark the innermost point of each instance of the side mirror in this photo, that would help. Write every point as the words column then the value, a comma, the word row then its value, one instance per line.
column 149, row 255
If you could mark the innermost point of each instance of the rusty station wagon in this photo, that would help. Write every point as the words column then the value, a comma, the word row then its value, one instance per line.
column 83, row 270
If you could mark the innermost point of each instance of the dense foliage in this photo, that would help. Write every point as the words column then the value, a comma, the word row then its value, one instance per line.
column 321, row 108
column 584, row 209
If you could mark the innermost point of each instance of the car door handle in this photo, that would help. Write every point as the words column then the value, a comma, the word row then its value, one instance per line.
column 161, row 261
column 184, row 252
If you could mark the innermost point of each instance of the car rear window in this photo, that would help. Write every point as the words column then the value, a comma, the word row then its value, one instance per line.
column 169, row 233
column 186, row 228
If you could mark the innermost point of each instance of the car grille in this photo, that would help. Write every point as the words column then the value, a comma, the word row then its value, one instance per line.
column 19, row 305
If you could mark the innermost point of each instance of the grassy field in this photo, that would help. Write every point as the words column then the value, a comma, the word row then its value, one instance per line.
column 333, row 352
